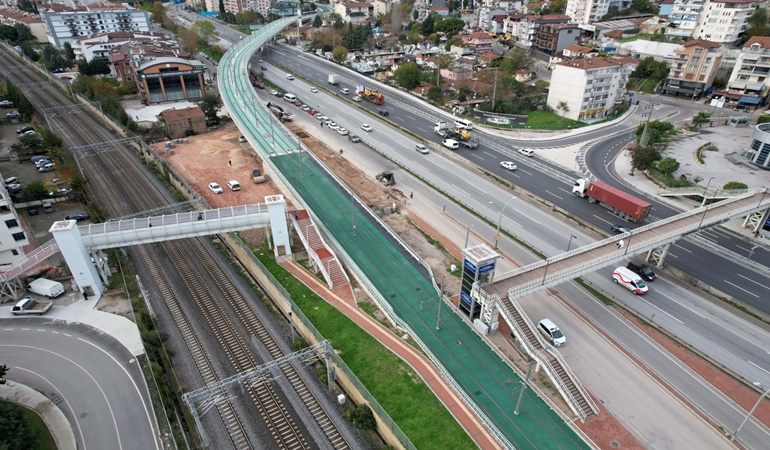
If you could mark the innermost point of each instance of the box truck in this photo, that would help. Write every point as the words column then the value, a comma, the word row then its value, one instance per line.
column 48, row 288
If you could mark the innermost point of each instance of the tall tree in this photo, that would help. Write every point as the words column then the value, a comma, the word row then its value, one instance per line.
column 317, row 22
column 25, row 34
column 340, row 54
column 757, row 24
column 210, row 104
column 427, row 25
column 205, row 31
column 408, row 75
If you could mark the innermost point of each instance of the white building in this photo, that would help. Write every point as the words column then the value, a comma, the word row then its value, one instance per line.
column 13, row 238
column 723, row 21
column 749, row 81
column 95, row 19
column 588, row 87
column 100, row 46
column 586, row 12
column 684, row 17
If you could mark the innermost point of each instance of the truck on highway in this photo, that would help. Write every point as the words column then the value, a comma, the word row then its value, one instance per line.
column 28, row 306
column 621, row 204
column 463, row 137
column 370, row 95
column 46, row 287
column 334, row 79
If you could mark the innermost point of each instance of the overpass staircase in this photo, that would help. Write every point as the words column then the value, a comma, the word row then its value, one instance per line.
column 705, row 192
column 10, row 284
column 322, row 258
column 554, row 365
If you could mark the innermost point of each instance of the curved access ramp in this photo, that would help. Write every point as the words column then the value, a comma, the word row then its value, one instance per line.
column 398, row 280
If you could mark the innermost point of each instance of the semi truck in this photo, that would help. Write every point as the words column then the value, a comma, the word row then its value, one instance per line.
column 334, row 79
column 28, row 306
column 621, row 204
column 45, row 287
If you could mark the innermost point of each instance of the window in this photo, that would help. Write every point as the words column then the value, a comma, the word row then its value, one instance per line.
column 15, row 252
column 698, row 51
column 19, row 236
column 691, row 68
column 12, row 223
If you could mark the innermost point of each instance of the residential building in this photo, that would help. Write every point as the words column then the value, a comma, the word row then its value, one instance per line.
column 666, row 7
column 530, row 24
column 101, row 18
column 684, row 17
column 511, row 25
column 101, row 45
column 13, row 238
column 381, row 8
column 486, row 15
column 12, row 16
column 695, row 64
column 170, row 79
column 457, row 72
column 554, row 38
column 589, row 88
column 481, row 41
column 724, row 21
column 577, row 51
column 354, row 12
column 586, row 12
column 749, row 81
column 127, row 57
column 184, row 121
column 238, row 6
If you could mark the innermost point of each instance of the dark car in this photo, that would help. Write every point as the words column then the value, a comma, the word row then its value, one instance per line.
column 382, row 112
column 642, row 269
column 620, row 229
column 77, row 216
column 24, row 129
column 264, row 68
column 32, row 211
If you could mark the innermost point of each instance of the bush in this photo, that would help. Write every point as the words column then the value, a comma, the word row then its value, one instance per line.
column 362, row 417
column 734, row 185
column 763, row 119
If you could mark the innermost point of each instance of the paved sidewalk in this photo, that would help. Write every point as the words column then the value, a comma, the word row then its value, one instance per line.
column 342, row 299
column 52, row 416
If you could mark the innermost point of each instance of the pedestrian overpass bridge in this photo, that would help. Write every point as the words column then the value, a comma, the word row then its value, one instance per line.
column 654, row 239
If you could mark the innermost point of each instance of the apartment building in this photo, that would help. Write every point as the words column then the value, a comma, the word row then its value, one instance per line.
column 13, row 238
column 588, row 87
column 694, row 67
column 527, row 28
column 99, row 18
column 552, row 39
column 586, row 12
column 101, row 45
column 750, row 78
column 683, row 17
column 724, row 21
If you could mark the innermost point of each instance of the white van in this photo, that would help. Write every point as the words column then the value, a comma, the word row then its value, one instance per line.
column 630, row 280
column 234, row 185
column 450, row 144
column 290, row 97
column 463, row 124
column 552, row 332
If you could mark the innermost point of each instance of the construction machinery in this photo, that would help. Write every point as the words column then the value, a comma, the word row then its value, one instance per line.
column 387, row 178
column 463, row 137
column 257, row 177
column 370, row 95
column 279, row 112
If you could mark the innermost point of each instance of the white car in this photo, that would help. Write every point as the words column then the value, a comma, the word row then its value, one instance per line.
column 304, row 108
column 216, row 188
column 527, row 152
column 333, row 125
column 343, row 131
column 422, row 149
column 314, row 90
column 319, row 116
column 290, row 77
column 366, row 127
column 273, row 92
column 508, row 165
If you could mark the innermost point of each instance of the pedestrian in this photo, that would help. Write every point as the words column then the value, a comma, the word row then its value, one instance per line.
column 200, row 216
column 230, row 162
column 85, row 296
column 340, row 151
column 411, row 194
column 296, row 215
column 321, row 123
column 621, row 244
column 388, row 195
column 354, row 229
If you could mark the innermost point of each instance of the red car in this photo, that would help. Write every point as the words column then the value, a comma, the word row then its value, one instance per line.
column 297, row 103
column 312, row 112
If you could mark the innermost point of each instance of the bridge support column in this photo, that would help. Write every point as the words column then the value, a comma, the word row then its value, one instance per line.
column 78, row 259
column 756, row 220
column 276, row 209
column 657, row 255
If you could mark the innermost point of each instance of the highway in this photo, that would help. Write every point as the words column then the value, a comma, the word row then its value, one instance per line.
column 529, row 224
column 91, row 377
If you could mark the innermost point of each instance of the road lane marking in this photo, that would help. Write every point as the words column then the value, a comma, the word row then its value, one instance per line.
column 461, row 190
column 664, row 312
column 753, row 281
column 420, row 166
column 487, row 153
column 681, row 248
column 549, row 192
column 529, row 173
column 603, row 220
column 738, row 287
column 760, row 368
column 682, row 305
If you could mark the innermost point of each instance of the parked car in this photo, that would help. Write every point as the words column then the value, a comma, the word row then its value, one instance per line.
column 6, row 104
column 312, row 112
column 46, row 168
column 354, row 138
column 32, row 211
column 77, row 217
column 343, row 131
column 24, row 129
column 304, row 108
column 216, row 188
column 273, row 92
column 13, row 115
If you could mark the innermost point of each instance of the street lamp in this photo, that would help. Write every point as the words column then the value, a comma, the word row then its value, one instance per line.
column 499, row 220
column 707, row 208
column 571, row 237
column 706, row 190
column 756, row 405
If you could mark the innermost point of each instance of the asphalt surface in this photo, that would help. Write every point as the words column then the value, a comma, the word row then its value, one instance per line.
column 91, row 377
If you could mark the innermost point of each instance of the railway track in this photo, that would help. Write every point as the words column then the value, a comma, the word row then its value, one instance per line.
column 121, row 183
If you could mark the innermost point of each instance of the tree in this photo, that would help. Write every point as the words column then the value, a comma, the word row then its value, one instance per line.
column 158, row 12
column 25, row 34
column 362, row 417
column 188, row 40
column 643, row 157
column 649, row 68
column 450, row 26
column 8, row 33
column 734, row 185
column 249, row 17
column 338, row 23
column 16, row 429
column 3, row 371
column 205, row 31
column 701, row 119
column 408, row 75
column 563, row 107
column 757, row 24
column 52, row 58
column 435, row 95
column 415, row 14
column 340, row 54
column 317, row 22
column 69, row 53
column 210, row 104
column 36, row 190
column 29, row 51
column 427, row 25
column 668, row 166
